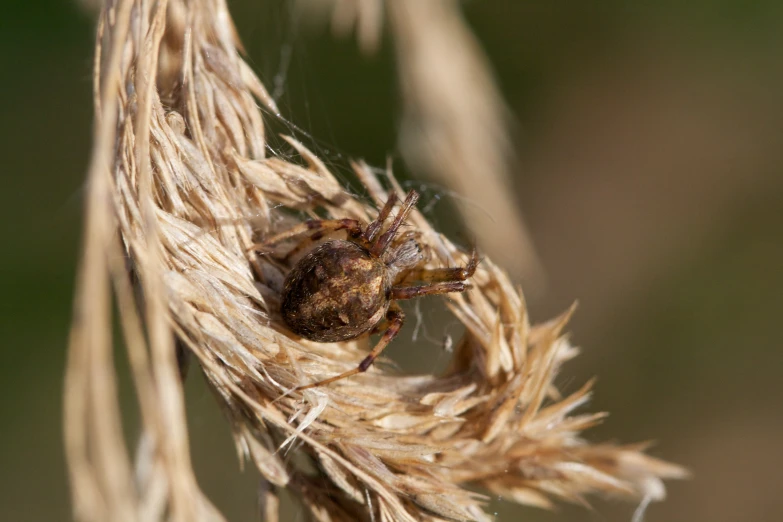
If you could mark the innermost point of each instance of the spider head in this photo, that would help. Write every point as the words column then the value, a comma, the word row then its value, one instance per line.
column 405, row 254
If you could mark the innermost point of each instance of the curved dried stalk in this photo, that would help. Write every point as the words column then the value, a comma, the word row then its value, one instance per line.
column 180, row 151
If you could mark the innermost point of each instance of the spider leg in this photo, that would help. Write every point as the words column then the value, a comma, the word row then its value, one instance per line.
column 303, row 245
column 438, row 275
column 395, row 317
column 320, row 226
column 373, row 228
column 445, row 287
column 384, row 324
column 385, row 239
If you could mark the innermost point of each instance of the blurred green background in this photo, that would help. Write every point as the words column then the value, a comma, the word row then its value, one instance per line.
column 649, row 170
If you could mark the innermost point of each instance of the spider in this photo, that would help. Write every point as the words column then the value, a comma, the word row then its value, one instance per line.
column 345, row 288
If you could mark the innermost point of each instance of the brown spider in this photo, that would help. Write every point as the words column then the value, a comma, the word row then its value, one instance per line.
column 345, row 288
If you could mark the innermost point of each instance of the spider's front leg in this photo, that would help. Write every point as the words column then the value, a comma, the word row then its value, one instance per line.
column 411, row 292
column 318, row 228
column 438, row 280
column 395, row 317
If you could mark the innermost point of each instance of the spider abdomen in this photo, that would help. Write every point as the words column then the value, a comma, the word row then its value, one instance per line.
column 336, row 292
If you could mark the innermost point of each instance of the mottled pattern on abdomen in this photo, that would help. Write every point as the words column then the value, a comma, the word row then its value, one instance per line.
column 335, row 293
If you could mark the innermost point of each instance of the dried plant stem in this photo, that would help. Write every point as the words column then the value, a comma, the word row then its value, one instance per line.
column 99, row 467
